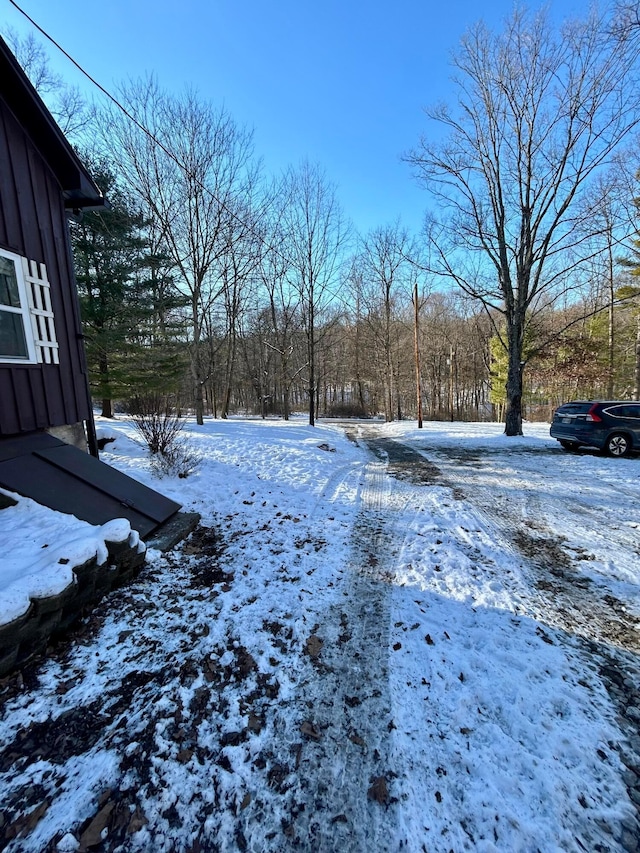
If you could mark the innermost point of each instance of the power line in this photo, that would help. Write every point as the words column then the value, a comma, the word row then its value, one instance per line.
column 131, row 117
column 266, row 243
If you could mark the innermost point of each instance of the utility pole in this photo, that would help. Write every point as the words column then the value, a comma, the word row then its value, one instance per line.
column 452, row 355
column 611, row 347
column 637, row 388
column 416, row 329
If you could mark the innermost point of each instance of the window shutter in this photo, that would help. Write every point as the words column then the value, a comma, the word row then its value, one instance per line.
column 42, row 323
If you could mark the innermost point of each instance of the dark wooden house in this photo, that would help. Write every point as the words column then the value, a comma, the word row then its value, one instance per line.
column 43, row 380
column 46, row 420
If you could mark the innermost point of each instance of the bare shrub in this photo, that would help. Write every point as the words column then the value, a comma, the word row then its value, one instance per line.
column 179, row 460
column 155, row 418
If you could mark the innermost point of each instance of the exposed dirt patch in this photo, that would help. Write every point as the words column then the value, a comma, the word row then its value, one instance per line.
column 206, row 542
column 546, row 551
column 404, row 463
column 72, row 733
column 573, row 602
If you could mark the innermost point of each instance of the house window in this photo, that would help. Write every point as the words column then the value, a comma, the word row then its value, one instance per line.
column 27, row 329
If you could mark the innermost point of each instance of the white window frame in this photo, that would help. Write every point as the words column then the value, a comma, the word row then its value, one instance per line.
column 35, row 310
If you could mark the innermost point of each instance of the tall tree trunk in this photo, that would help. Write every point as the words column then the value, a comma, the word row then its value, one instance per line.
column 103, row 367
column 196, row 363
column 199, row 402
column 286, row 394
column 357, row 356
column 312, row 366
column 389, row 358
column 538, row 114
column 513, row 385
column 231, row 357
column 198, row 384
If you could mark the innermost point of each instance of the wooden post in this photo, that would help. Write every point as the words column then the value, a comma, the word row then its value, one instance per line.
column 416, row 330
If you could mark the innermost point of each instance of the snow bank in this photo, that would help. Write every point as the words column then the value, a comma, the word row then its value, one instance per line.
column 41, row 548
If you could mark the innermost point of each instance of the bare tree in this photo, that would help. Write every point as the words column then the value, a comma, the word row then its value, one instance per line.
column 386, row 272
column 541, row 112
column 316, row 234
column 628, row 15
column 283, row 304
column 189, row 170
column 610, row 211
column 66, row 103
column 239, row 264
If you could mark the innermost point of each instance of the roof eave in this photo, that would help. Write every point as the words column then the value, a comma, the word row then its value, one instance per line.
column 28, row 107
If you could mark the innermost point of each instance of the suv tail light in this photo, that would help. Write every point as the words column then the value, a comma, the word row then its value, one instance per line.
column 592, row 417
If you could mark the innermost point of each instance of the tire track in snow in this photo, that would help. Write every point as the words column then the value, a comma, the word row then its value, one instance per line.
column 344, row 781
column 341, row 794
column 346, row 478
column 560, row 595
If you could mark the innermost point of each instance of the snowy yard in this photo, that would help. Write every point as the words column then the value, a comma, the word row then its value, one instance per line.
column 380, row 639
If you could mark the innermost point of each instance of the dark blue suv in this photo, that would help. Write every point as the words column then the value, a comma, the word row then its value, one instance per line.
column 612, row 425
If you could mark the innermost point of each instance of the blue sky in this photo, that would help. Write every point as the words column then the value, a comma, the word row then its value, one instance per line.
column 340, row 82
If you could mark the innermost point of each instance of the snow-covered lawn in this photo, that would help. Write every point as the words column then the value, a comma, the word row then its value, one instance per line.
column 359, row 651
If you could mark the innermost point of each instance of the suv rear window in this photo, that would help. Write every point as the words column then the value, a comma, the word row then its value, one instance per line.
column 575, row 408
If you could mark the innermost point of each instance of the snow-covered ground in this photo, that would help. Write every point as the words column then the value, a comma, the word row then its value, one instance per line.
column 395, row 639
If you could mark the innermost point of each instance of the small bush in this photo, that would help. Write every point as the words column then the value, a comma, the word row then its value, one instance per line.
column 179, row 460
column 155, row 418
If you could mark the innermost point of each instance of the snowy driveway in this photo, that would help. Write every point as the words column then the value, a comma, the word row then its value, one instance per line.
column 413, row 640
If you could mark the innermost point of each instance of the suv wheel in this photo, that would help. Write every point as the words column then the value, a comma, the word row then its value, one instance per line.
column 618, row 445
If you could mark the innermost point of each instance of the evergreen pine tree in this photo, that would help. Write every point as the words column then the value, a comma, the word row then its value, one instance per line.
column 126, row 300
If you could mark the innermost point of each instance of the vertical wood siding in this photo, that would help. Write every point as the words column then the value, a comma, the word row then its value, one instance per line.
column 33, row 224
